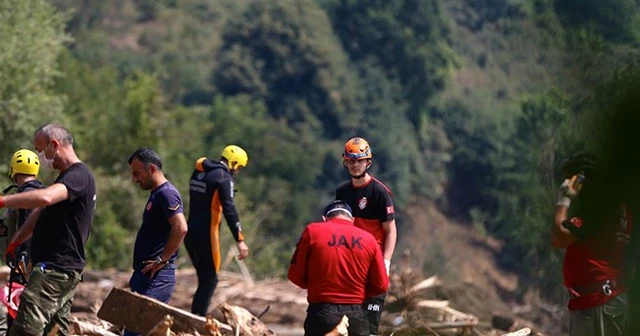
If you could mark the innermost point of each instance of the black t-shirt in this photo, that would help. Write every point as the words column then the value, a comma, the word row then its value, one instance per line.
column 372, row 205
column 63, row 228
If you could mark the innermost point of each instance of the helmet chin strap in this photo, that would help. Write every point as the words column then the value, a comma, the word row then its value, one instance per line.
column 357, row 177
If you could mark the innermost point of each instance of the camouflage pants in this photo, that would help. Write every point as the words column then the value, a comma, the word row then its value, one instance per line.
column 45, row 302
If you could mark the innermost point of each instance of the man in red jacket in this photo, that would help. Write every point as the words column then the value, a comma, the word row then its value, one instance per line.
column 595, row 234
column 340, row 265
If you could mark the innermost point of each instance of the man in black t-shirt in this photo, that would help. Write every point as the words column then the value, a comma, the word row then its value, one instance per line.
column 373, row 211
column 59, row 227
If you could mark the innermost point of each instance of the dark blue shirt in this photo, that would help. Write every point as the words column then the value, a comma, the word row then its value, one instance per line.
column 164, row 203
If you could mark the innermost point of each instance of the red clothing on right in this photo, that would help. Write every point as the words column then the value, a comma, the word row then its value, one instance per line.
column 596, row 259
column 338, row 263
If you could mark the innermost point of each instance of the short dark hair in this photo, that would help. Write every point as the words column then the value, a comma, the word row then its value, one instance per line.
column 147, row 156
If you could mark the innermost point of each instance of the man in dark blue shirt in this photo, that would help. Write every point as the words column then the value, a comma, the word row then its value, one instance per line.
column 162, row 231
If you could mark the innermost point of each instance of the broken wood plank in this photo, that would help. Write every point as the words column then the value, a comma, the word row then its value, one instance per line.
column 85, row 328
column 460, row 315
column 436, row 304
column 424, row 284
column 451, row 325
column 140, row 314
column 243, row 322
column 521, row 332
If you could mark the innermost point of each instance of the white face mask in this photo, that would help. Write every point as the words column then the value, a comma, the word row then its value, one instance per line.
column 44, row 162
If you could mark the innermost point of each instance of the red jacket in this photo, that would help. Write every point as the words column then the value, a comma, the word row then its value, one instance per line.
column 338, row 263
column 598, row 258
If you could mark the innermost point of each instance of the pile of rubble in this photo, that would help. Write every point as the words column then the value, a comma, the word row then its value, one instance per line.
column 411, row 310
column 271, row 306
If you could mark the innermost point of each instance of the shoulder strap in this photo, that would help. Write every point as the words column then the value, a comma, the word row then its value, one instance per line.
column 35, row 184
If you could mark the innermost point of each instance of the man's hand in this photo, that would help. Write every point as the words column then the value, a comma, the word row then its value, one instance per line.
column 153, row 266
column 568, row 191
column 243, row 250
column 10, row 253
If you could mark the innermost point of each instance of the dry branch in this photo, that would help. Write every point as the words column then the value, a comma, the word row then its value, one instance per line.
column 163, row 327
column 424, row 284
column 435, row 304
column 84, row 328
column 521, row 332
column 243, row 322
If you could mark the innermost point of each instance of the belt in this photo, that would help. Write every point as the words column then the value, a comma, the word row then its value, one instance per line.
column 605, row 288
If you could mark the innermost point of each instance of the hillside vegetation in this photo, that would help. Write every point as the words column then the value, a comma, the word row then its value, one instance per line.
column 469, row 105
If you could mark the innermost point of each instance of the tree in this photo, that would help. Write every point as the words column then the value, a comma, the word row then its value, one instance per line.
column 285, row 54
column 524, row 190
column 616, row 20
column 410, row 39
column 32, row 35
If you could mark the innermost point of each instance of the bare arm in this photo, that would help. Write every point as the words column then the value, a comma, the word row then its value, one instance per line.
column 391, row 235
column 39, row 198
column 176, row 236
column 561, row 237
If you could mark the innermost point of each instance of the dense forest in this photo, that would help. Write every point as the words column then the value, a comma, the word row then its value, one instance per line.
column 468, row 104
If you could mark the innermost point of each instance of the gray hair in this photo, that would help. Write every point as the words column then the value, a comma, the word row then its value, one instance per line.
column 55, row 132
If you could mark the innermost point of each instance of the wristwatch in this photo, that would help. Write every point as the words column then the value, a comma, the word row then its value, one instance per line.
column 159, row 261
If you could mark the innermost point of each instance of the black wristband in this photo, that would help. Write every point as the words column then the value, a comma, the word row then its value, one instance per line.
column 578, row 232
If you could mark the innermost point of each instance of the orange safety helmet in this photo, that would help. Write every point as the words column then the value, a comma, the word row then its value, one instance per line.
column 357, row 149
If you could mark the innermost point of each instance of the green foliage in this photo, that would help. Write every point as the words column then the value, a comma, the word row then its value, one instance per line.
column 525, row 186
column 285, row 54
column 471, row 103
column 615, row 20
column 117, row 117
column 32, row 36
column 280, row 163
column 118, row 214
column 409, row 39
